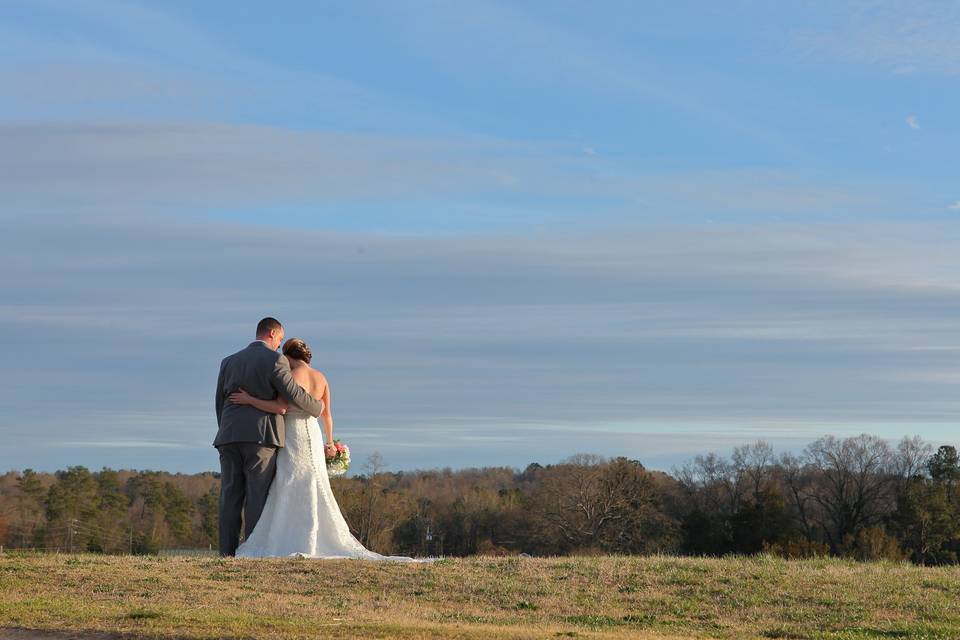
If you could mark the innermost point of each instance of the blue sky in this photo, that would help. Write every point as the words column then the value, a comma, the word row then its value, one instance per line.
column 510, row 231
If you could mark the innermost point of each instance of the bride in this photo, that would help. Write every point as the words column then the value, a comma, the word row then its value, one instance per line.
column 301, row 517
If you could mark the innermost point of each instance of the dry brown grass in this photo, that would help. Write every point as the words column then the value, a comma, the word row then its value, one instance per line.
column 488, row 598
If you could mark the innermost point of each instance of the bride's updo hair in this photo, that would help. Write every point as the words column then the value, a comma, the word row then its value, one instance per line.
column 297, row 348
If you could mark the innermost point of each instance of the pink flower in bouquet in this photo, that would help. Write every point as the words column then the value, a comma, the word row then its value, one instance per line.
column 338, row 464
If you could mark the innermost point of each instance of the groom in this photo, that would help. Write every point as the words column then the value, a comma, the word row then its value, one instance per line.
column 248, row 438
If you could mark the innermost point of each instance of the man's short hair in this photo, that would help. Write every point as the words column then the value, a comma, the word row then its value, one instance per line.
column 267, row 325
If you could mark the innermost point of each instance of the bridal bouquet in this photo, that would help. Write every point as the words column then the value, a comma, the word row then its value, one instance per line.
column 340, row 462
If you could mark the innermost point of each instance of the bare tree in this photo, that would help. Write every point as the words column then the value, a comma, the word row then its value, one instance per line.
column 798, row 481
column 571, row 500
column 855, row 483
column 368, row 518
column 611, row 505
column 753, row 466
column 911, row 458
column 713, row 484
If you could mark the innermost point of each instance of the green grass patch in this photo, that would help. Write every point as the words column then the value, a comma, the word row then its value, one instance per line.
column 484, row 598
column 143, row 614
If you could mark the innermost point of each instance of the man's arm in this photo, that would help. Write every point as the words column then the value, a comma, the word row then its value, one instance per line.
column 286, row 386
column 218, row 400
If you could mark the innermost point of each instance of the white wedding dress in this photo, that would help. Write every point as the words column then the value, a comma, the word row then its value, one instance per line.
column 301, row 517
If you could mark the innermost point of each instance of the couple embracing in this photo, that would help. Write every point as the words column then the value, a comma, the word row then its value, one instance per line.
column 273, row 470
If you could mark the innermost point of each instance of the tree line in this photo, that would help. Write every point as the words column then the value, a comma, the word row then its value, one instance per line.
column 857, row 497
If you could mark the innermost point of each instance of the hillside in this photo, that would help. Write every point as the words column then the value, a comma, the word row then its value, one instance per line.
column 480, row 597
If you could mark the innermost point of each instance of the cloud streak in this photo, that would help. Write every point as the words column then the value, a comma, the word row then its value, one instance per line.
column 906, row 37
column 654, row 329
column 189, row 168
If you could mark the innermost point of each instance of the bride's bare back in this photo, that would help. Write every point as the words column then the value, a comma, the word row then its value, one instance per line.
column 315, row 383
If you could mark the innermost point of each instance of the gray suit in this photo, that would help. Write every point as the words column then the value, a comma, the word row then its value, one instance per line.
column 248, row 438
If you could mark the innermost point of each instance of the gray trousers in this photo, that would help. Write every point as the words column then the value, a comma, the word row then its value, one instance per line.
column 246, row 472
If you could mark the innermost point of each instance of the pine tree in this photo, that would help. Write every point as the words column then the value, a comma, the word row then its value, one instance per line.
column 72, row 504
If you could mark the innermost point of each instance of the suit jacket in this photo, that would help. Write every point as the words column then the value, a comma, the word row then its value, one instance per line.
column 263, row 373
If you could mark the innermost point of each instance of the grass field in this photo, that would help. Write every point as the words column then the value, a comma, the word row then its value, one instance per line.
column 482, row 598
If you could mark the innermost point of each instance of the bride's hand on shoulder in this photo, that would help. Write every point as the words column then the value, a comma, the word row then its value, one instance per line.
column 241, row 397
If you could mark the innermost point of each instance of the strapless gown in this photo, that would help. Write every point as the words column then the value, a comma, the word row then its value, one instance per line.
column 301, row 516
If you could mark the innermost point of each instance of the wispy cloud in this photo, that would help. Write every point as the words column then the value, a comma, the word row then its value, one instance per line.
column 116, row 64
column 161, row 167
column 912, row 122
column 534, row 50
column 161, row 164
column 905, row 37
column 122, row 444
column 646, row 327
column 955, row 206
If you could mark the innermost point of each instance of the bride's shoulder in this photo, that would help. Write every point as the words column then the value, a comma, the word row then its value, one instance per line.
column 301, row 374
column 318, row 377
column 311, row 379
